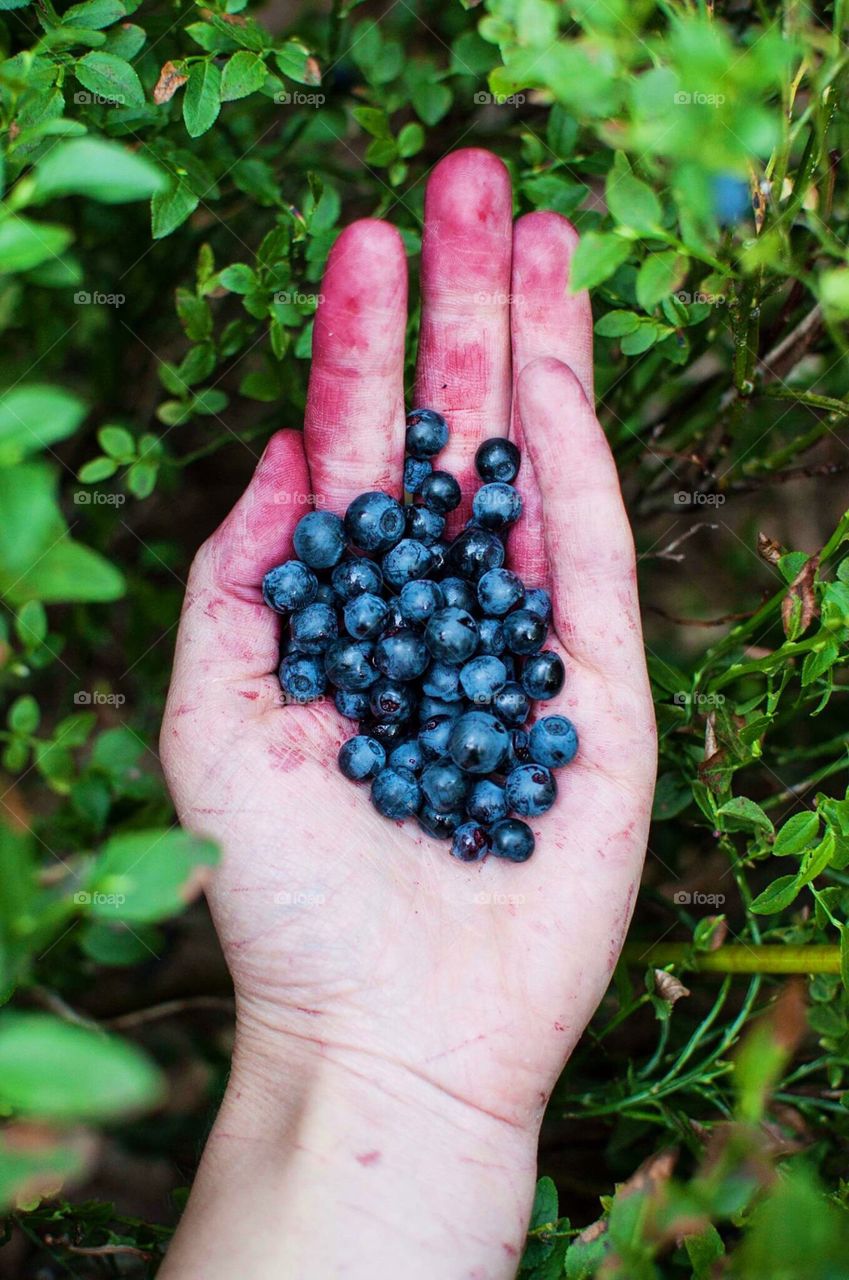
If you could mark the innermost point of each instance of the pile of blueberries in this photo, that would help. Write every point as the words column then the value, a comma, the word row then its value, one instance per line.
column 433, row 647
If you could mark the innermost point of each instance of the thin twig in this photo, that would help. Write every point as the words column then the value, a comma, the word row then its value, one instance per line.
column 168, row 1008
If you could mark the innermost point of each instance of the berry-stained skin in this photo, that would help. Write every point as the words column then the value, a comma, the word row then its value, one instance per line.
column 475, row 978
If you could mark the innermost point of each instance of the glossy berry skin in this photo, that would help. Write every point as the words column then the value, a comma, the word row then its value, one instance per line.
column 444, row 785
column 352, row 705
column 499, row 591
column 434, row 736
column 538, row 601
column 512, row 839
column 407, row 755
column 427, row 433
column 497, row 459
column 302, row 677
column 441, row 492
column 487, row 802
column 424, row 525
column 388, row 732
column 391, row 700
column 470, row 843
column 473, row 552
column 524, row 632
column 429, row 707
column 374, row 521
column 355, row 577
column 365, row 616
column 419, row 600
column 401, row 655
column 478, row 742
column 319, row 539
column 438, row 552
column 439, row 823
column 394, row 616
column 314, row 627
column 496, row 506
column 348, row 665
column 289, row 586
column 553, row 741
column 491, row 637
column 511, row 704
column 530, row 790
column 481, row 677
column 519, row 751
column 543, row 675
column 451, row 635
column 361, row 758
column 325, row 594
column 395, row 793
column 442, row 680
column 415, row 471
column 407, row 560
column 458, row 594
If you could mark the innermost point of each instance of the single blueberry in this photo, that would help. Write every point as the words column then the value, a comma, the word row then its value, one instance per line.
column 351, row 704
column 538, row 601
column 415, row 471
column 355, row 577
column 496, row 506
column 487, row 802
column 491, row 637
column 395, row 793
column 451, row 635
column 524, row 631
column 438, row 822
column 407, row 755
column 407, row 560
column 499, row 591
column 401, row 655
column 374, row 521
column 427, row 433
column 481, row 677
column 473, row 552
column 444, row 785
column 302, row 677
column 314, row 627
column 497, row 459
column 429, row 706
column 419, row 600
column 478, row 742
column 732, row 198
column 554, row 741
column 289, row 586
column 365, row 616
column 424, row 525
column 434, row 736
column 361, row 758
column 457, row 594
column 519, row 751
column 543, row 675
column 530, row 790
column 348, row 664
column 441, row 492
column 390, row 700
column 442, row 680
column 319, row 539
column 511, row 704
column 512, row 839
column 471, row 842
column 389, row 732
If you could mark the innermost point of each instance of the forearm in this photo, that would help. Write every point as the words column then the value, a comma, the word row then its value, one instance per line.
column 325, row 1164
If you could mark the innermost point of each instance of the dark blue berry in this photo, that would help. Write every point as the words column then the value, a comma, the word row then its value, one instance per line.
column 524, row 631
column 401, row 655
column 374, row 521
column 487, row 802
column 419, row 600
column 302, row 677
column 361, row 758
column 442, row 680
column 391, row 700
column 408, row 560
column 325, row 594
column 519, row 751
column 471, row 842
column 348, row 664
column 496, row 506
column 319, row 539
column 457, row 594
column 355, row 577
column 314, row 627
column 481, row 677
column 538, row 601
column 439, row 823
column 438, row 552
column 478, row 742
column 511, row 704
column 365, row 616
column 554, row 741
column 491, row 637
column 289, row 586
column 530, row 790
column 441, row 492
column 451, row 635
column 497, row 459
column 499, row 591
column 424, row 525
column 543, row 675
column 415, row 470
column 407, row 755
column 512, row 839
column 444, row 785
column 427, row 433
column 351, row 704
column 429, row 706
column 434, row 736
column 395, row 793
column 394, row 617
column 473, row 552
column 389, row 732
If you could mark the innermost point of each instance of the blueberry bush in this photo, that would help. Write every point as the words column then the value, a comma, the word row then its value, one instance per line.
column 172, row 178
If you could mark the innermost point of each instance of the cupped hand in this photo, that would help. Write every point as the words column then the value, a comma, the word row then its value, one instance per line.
column 356, row 936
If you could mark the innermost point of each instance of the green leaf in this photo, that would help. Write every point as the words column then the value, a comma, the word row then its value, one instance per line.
column 659, row 275
column 615, row 324
column 238, row 278
column 796, row 834
column 844, row 957
column 35, row 415
column 742, row 814
column 243, row 74
column 96, row 168
column 410, row 140
column 777, row 897
column 110, row 77
column 59, row 1071
column 430, row 101
column 117, row 442
column 24, row 243
column 69, row 571
column 24, row 715
column 149, row 875
column 373, row 121
column 94, row 14
column 97, row 469
column 117, row 945
column 596, row 258
column 202, row 98
column 170, row 208
column 631, row 202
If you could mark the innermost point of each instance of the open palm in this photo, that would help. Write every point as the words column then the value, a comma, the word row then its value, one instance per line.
column 339, row 926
